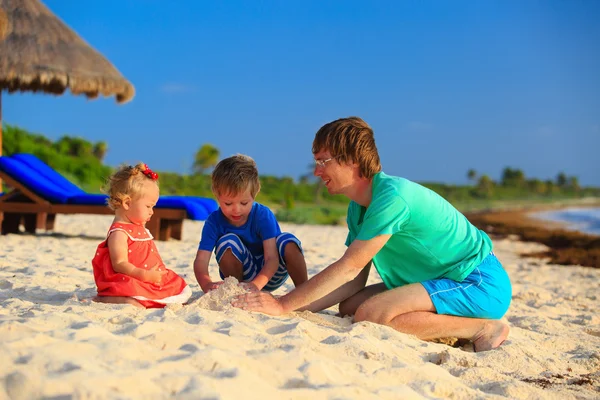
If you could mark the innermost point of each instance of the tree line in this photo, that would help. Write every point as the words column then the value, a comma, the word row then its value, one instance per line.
column 302, row 200
column 515, row 178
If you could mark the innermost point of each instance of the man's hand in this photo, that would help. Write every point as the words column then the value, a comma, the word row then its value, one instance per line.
column 211, row 286
column 259, row 301
column 154, row 274
column 249, row 286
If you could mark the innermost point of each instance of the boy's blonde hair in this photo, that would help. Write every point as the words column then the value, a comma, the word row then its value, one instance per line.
column 127, row 181
column 235, row 175
column 350, row 140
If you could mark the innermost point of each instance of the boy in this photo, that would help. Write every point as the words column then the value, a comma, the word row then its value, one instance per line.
column 245, row 235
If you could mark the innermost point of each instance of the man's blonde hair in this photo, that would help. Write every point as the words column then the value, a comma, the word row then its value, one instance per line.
column 235, row 175
column 127, row 181
column 350, row 140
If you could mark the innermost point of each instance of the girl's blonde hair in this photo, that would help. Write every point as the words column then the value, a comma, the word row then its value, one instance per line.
column 234, row 175
column 127, row 181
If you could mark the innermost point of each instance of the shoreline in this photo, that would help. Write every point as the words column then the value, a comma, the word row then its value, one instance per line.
column 565, row 246
column 575, row 219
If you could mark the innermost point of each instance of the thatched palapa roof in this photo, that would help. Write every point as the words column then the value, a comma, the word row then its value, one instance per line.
column 40, row 53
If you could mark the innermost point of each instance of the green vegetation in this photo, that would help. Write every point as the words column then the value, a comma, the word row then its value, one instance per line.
column 77, row 159
column 302, row 201
column 206, row 157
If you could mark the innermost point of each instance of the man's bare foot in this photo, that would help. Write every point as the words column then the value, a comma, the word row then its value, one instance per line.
column 493, row 334
column 118, row 300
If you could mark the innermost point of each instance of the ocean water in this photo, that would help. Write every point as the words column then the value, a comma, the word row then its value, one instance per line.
column 578, row 219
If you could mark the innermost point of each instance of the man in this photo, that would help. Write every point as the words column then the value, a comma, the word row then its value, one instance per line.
column 440, row 277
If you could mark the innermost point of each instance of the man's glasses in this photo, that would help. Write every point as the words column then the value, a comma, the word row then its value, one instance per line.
column 321, row 163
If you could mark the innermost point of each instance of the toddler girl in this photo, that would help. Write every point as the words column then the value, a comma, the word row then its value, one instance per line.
column 127, row 266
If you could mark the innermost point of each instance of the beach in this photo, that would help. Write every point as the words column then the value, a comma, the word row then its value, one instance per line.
column 55, row 343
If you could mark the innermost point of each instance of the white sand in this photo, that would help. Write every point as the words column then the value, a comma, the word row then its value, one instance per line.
column 54, row 344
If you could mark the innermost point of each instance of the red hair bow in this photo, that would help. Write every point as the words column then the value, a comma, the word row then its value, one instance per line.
column 149, row 173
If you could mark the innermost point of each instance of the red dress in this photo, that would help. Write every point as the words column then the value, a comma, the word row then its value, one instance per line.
column 143, row 254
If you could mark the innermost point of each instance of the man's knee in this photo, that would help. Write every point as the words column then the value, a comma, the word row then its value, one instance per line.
column 369, row 311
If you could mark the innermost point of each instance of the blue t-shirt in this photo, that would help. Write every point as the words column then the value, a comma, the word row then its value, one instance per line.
column 430, row 238
column 261, row 225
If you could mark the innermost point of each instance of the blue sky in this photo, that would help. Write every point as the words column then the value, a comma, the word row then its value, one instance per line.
column 446, row 85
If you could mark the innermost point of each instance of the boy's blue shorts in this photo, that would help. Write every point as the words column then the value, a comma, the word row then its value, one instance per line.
column 251, row 264
column 485, row 293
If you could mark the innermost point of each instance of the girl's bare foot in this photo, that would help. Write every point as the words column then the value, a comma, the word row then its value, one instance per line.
column 493, row 334
column 118, row 300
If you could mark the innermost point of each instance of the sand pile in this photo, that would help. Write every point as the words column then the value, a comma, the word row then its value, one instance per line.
column 220, row 299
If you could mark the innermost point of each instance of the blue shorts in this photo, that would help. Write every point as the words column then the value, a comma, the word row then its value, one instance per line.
column 485, row 293
column 251, row 264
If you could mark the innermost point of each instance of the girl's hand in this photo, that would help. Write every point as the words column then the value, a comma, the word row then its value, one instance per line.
column 259, row 301
column 154, row 274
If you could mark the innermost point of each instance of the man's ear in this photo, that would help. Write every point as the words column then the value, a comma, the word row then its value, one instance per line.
column 126, row 203
column 356, row 169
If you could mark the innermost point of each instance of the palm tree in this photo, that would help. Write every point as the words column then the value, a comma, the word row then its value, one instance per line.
column 561, row 179
column 471, row 174
column 513, row 177
column 206, row 157
column 485, row 186
column 574, row 184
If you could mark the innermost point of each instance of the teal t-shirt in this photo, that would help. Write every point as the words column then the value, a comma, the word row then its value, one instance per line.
column 430, row 238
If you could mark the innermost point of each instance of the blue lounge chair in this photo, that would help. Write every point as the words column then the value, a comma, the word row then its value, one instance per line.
column 40, row 193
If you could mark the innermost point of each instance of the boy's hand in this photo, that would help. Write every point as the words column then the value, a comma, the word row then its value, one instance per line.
column 211, row 286
column 154, row 274
column 249, row 286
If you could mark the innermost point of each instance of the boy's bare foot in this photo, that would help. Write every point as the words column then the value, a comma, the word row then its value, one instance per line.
column 493, row 334
column 118, row 300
